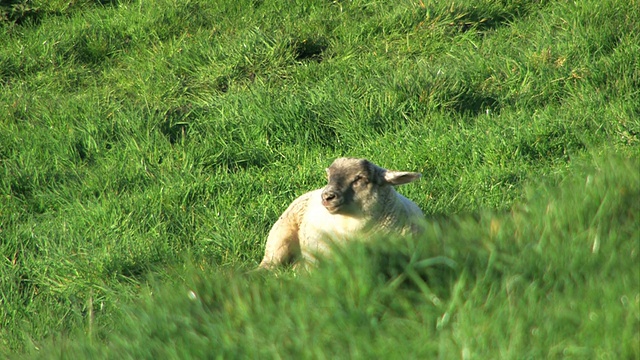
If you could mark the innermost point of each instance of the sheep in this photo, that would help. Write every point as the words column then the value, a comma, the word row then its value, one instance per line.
column 359, row 200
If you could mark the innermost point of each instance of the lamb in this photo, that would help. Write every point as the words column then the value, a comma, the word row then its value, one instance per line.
column 359, row 200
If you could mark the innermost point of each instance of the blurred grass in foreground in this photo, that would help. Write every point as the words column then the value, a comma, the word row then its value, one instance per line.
column 555, row 277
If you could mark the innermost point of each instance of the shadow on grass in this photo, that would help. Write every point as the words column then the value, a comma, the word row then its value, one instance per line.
column 25, row 12
column 309, row 48
column 490, row 16
column 20, row 12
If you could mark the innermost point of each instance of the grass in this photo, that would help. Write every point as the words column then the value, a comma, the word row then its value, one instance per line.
column 146, row 147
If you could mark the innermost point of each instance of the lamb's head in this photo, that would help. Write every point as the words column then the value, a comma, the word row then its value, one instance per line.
column 357, row 185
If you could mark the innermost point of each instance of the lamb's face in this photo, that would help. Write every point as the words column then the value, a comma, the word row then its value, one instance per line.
column 353, row 183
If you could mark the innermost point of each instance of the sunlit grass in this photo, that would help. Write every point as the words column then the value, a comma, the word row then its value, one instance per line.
column 148, row 146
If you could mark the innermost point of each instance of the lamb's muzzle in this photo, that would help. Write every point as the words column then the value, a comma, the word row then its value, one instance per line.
column 331, row 200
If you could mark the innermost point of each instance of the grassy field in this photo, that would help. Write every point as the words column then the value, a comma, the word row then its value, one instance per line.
column 147, row 146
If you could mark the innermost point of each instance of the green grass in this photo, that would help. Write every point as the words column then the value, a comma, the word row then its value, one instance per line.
column 146, row 147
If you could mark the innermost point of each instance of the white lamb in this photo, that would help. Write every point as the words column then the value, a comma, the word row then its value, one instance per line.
column 359, row 200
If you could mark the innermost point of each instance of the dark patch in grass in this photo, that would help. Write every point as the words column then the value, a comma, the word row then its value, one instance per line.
column 555, row 144
column 222, row 84
column 32, row 187
column 20, row 12
column 309, row 48
column 174, row 131
column 83, row 151
column 256, row 3
column 509, row 179
column 458, row 95
column 238, row 158
column 21, row 186
column 23, row 287
column 175, row 123
column 8, row 69
column 129, row 268
column 134, row 270
column 24, row 190
column 464, row 101
column 25, row 12
column 240, row 73
column 317, row 128
column 379, row 122
column 96, row 47
column 607, row 45
column 477, row 22
column 473, row 102
column 184, row 17
column 324, row 130
column 485, row 18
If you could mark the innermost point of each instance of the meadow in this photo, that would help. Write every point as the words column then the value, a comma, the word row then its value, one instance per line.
column 147, row 146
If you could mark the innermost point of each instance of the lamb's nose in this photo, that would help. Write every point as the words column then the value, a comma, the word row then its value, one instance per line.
column 328, row 195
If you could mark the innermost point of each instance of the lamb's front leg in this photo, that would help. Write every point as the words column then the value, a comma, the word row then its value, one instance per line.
column 282, row 244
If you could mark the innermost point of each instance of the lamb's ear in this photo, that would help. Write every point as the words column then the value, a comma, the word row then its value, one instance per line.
column 400, row 177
